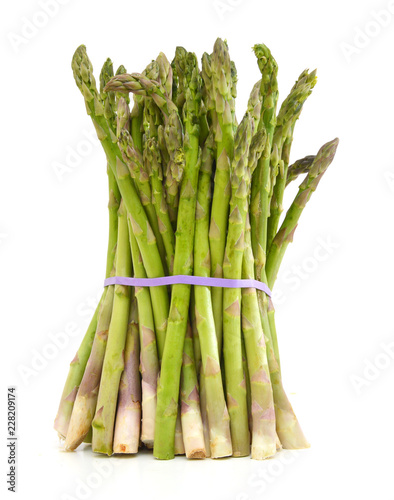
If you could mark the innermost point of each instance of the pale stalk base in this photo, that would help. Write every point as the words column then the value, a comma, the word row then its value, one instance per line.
column 193, row 434
column 221, row 443
column 289, row 430
column 221, row 448
column 80, row 422
column 264, row 440
column 127, row 429
column 149, row 401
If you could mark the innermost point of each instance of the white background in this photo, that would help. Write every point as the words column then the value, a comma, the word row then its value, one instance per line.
column 333, row 321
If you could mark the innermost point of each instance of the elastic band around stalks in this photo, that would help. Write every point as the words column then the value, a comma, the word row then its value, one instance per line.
column 182, row 279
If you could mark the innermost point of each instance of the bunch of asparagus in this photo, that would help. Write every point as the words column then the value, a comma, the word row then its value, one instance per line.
column 190, row 370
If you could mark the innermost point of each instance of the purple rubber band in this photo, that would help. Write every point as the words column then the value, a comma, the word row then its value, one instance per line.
column 182, row 279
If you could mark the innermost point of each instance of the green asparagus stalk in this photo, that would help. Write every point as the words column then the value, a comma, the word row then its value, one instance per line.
column 192, row 428
column 214, row 400
column 221, row 85
column 262, row 406
column 103, row 423
column 128, row 413
column 86, row 398
column 285, row 235
column 288, row 428
column 168, row 389
column 282, row 140
column 232, row 269
column 261, row 180
column 261, row 177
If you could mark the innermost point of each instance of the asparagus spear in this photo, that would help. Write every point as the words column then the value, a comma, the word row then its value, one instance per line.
column 283, row 138
column 214, row 403
column 261, row 181
column 298, row 168
column 103, row 423
column 221, row 87
column 83, row 74
column 263, row 413
column 284, row 236
column 128, row 414
column 168, row 389
column 288, row 428
column 261, row 177
column 232, row 269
